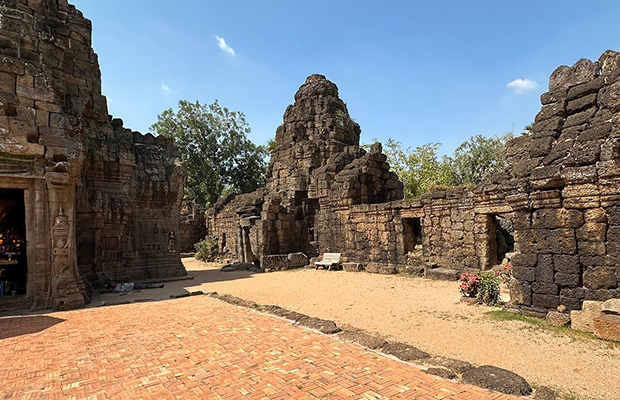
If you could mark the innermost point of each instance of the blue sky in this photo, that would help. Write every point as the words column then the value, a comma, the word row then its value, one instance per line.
column 417, row 72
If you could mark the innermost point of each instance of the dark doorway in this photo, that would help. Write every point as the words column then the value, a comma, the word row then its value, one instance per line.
column 223, row 248
column 412, row 234
column 504, row 237
column 306, row 210
column 13, row 265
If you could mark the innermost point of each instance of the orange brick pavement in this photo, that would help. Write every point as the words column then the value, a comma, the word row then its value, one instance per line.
column 198, row 348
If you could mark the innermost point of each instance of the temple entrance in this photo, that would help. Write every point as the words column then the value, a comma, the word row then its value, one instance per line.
column 13, row 265
column 412, row 234
column 504, row 237
column 495, row 239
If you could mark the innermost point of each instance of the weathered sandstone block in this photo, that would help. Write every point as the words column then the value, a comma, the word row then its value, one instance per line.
column 584, row 320
column 607, row 326
column 611, row 306
column 557, row 318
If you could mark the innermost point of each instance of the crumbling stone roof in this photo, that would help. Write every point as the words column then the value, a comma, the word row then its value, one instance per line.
column 317, row 150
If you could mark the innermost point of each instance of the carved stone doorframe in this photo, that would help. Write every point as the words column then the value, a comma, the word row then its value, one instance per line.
column 52, row 278
column 35, row 270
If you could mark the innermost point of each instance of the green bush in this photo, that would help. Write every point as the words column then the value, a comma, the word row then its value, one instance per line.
column 207, row 250
column 488, row 289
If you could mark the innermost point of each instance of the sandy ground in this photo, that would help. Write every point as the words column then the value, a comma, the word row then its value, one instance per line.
column 422, row 312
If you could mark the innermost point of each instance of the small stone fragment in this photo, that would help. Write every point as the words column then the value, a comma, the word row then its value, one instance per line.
column 364, row 339
column 458, row 366
column 441, row 372
column 405, row 352
column 556, row 318
column 498, row 379
column 236, row 301
column 324, row 326
column 240, row 266
column 611, row 306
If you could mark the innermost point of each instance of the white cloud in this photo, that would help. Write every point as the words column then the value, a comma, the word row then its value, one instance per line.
column 166, row 88
column 522, row 85
column 224, row 46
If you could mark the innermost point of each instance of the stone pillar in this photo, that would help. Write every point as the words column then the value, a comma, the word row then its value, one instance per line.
column 485, row 232
column 68, row 290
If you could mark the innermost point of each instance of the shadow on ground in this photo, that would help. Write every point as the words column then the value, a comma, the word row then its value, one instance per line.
column 17, row 326
column 215, row 275
column 198, row 279
column 197, row 282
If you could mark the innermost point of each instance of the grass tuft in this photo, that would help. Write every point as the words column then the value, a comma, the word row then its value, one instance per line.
column 502, row 315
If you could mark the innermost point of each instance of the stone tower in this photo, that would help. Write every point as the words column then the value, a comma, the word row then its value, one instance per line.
column 316, row 167
column 54, row 133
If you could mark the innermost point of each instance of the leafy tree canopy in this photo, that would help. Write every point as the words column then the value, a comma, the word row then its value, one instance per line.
column 215, row 147
column 420, row 168
column 479, row 158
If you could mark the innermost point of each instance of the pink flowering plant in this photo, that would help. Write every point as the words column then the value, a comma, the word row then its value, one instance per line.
column 505, row 274
column 469, row 284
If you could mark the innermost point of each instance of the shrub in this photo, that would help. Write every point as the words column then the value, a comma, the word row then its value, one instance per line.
column 488, row 289
column 207, row 250
column 505, row 274
column 469, row 284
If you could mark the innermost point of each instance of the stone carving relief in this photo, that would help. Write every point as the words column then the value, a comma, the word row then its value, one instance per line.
column 129, row 246
column 172, row 242
column 63, row 274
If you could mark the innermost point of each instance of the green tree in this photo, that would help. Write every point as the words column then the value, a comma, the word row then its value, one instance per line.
column 213, row 142
column 478, row 158
column 419, row 169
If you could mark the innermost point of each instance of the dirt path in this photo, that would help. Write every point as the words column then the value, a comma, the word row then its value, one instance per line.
column 426, row 314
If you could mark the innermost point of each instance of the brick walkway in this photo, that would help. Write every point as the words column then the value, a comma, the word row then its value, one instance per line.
column 198, row 348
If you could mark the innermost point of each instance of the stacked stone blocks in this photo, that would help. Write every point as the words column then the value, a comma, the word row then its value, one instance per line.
column 569, row 166
column 51, row 109
column 559, row 195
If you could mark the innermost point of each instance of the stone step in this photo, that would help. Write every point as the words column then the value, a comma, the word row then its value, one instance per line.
column 377, row 268
column 442, row 274
column 352, row 267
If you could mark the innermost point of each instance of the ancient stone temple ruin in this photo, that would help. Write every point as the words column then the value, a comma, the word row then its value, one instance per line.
column 82, row 199
column 555, row 210
column 316, row 172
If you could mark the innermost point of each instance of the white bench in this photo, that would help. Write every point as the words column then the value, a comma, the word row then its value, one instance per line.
column 328, row 260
